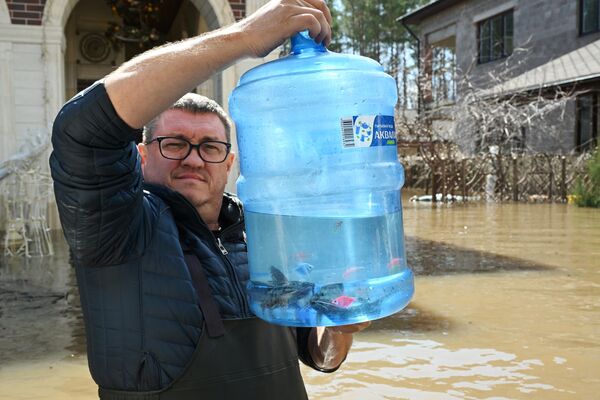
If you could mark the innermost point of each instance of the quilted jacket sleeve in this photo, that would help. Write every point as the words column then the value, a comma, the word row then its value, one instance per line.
column 97, row 180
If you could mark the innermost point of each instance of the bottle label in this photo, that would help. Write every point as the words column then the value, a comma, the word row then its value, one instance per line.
column 368, row 131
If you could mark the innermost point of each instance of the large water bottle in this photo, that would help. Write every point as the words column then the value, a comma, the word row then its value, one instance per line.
column 320, row 182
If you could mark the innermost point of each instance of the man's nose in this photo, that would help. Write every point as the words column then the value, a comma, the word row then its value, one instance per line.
column 193, row 159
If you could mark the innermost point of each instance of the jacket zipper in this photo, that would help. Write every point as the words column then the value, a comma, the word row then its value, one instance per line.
column 223, row 252
column 221, row 247
column 241, row 297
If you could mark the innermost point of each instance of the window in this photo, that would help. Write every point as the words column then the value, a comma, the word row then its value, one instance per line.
column 443, row 66
column 589, row 16
column 495, row 37
column 587, row 121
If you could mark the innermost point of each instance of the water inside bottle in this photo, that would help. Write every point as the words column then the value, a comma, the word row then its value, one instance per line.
column 324, row 271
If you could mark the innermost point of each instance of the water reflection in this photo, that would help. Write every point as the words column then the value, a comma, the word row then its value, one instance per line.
column 40, row 312
column 410, row 366
column 427, row 257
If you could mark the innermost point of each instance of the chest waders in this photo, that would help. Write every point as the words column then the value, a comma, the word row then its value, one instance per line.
column 234, row 359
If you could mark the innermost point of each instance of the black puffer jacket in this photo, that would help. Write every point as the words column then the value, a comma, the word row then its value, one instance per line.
column 139, row 304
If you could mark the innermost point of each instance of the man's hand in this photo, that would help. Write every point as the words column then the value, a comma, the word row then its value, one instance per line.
column 276, row 21
column 148, row 84
column 330, row 345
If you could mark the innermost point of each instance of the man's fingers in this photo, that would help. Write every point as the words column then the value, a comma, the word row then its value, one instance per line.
column 277, row 20
column 322, row 6
column 316, row 23
column 352, row 328
column 320, row 10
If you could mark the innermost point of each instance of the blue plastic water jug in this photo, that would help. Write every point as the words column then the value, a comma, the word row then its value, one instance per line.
column 320, row 182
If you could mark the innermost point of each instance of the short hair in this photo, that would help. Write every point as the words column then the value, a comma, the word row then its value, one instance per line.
column 195, row 104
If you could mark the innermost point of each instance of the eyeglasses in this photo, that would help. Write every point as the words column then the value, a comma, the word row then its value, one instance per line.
column 173, row 148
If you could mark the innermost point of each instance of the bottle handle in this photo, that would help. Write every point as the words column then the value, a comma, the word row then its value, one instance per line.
column 303, row 43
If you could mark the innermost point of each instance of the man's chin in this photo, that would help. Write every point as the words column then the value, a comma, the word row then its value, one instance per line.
column 195, row 194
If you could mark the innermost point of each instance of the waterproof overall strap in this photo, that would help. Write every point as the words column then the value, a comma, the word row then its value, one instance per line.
column 212, row 318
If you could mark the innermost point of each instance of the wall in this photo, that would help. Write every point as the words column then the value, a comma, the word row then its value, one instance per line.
column 547, row 29
column 31, row 12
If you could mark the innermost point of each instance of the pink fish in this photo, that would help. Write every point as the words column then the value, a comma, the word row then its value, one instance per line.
column 301, row 256
column 343, row 301
column 350, row 272
column 394, row 263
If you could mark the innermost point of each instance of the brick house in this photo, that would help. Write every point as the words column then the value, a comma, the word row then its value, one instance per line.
column 559, row 47
column 51, row 49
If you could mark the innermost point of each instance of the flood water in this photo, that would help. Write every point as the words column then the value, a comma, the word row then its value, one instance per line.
column 507, row 306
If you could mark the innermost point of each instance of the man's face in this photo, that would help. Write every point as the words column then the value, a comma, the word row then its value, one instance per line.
column 200, row 182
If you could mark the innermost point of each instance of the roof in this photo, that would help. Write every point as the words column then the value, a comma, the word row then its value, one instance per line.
column 434, row 7
column 580, row 65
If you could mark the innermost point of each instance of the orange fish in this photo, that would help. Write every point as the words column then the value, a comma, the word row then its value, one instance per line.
column 343, row 301
column 350, row 272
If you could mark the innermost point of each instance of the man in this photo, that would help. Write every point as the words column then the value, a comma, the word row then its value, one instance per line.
column 161, row 264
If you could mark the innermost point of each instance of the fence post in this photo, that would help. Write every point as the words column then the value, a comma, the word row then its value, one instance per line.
column 551, row 184
column 515, row 179
column 463, row 179
column 563, row 178
column 433, row 181
column 443, row 179
column 501, row 176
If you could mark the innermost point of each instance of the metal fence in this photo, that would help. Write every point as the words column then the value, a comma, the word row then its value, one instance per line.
column 540, row 177
column 25, row 191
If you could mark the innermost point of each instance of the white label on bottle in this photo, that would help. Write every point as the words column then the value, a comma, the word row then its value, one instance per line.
column 368, row 131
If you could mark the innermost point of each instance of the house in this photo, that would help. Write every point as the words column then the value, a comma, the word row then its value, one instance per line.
column 505, row 47
column 51, row 49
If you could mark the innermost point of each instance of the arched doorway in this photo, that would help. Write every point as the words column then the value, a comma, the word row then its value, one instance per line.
column 89, row 55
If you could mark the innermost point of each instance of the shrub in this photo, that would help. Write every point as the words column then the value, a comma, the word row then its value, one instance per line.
column 588, row 195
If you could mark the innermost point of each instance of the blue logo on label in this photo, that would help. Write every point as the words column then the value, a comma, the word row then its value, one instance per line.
column 363, row 130
column 369, row 131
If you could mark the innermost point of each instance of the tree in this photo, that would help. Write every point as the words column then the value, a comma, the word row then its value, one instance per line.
column 369, row 28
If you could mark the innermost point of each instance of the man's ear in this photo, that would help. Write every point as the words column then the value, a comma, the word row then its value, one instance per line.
column 143, row 152
column 229, row 161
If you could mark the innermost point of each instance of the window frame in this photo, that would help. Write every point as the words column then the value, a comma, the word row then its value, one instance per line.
column 491, row 45
column 581, row 147
column 581, row 20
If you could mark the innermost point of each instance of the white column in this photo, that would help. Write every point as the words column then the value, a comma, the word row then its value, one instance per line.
column 54, row 69
column 7, row 109
column 54, row 45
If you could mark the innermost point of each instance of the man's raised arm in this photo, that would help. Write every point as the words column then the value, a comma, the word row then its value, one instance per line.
column 148, row 84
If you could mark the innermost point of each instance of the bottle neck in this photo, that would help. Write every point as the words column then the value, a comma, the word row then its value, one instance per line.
column 303, row 44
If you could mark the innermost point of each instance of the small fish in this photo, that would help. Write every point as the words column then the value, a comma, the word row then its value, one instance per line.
column 351, row 272
column 302, row 271
column 330, row 292
column 297, row 294
column 301, row 256
column 281, row 292
column 278, row 277
column 343, row 301
column 395, row 264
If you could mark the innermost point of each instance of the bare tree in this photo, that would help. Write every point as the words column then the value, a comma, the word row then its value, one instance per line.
column 494, row 118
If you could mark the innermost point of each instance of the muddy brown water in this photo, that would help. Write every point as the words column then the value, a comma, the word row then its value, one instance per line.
column 507, row 306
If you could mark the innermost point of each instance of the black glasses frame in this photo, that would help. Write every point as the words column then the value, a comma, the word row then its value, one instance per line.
column 159, row 139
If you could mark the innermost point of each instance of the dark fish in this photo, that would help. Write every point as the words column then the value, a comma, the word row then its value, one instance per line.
column 293, row 294
column 329, row 292
column 281, row 292
column 278, row 278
